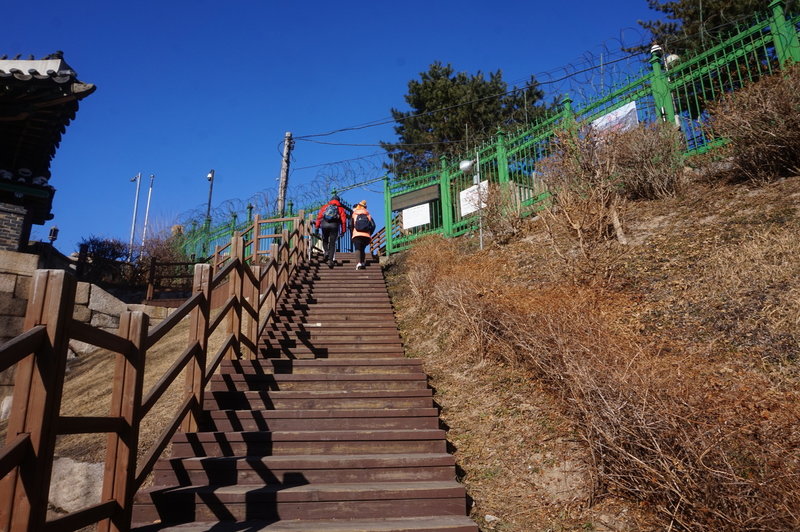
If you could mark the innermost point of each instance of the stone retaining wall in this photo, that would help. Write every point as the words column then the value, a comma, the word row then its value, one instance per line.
column 93, row 305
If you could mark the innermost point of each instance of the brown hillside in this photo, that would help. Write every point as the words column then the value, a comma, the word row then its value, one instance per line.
column 665, row 398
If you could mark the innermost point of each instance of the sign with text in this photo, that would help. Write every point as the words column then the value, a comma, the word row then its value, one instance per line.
column 621, row 119
column 416, row 216
column 473, row 198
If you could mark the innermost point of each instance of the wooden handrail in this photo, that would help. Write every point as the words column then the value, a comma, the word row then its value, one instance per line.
column 160, row 330
column 90, row 425
column 26, row 459
column 21, row 346
column 14, row 452
column 161, row 444
column 219, row 276
column 83, row 518
column 218, row 357
column 164, row 382
column 83, row 332
column 230, row 303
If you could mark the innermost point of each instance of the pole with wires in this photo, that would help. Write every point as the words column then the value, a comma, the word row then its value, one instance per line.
column 288, row 144
column 138, row 179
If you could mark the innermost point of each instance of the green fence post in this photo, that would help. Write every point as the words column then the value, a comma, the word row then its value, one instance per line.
column 387, row 212
column 444, row 194
column 660, row 87
column 783, row 34
column 502, row 157
column 567, row 115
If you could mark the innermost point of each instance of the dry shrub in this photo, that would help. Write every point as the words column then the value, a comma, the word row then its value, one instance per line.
column 584, row 216
column 707, row 444
column 762, row 122
column 504, row 218
column 592, row 176
column 650, row 161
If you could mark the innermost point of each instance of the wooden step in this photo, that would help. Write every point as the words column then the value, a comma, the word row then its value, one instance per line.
column 315, row 400
column 298, row 469
column 332, row 419
column 343, row 365
column 318, row 381
column 255, row 443
column 309, row 501
column 439, row 523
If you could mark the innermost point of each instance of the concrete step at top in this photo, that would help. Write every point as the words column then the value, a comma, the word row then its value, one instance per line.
column 301, row 469
column 299, row 367
column 439, row 523
column 260, row 443
column 316, row 400
column 310, row 501
column 358, row 419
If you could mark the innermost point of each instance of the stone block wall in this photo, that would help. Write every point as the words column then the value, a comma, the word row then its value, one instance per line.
column 93, row 305
column 13, row 227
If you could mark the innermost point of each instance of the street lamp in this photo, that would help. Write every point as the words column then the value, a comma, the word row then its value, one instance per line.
column 467, row 167
column 53, row 234
column 210, row 178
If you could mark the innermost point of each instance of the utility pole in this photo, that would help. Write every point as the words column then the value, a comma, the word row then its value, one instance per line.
column 288, row 144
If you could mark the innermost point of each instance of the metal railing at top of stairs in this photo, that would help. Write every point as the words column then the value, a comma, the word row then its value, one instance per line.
column 246, row 292
column 671, row 92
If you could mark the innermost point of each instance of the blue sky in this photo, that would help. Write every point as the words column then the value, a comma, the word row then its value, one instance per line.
column 184, row 87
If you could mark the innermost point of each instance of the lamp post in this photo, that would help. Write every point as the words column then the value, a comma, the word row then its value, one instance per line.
column 210, row 178
column 138, row 179
column 53, row 234
column 147, row 210
column 467, row 167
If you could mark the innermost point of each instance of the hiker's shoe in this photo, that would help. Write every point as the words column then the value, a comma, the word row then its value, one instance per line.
column 359, row 266
column 331, row 264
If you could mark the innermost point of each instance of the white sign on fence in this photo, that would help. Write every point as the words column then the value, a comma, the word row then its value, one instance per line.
column 618, row 120
column 473, row 198
column 417, row 215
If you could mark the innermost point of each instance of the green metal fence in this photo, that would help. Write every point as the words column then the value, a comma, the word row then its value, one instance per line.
column 432, row 203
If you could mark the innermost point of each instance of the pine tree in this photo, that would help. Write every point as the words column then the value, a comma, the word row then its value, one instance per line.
column 452, row 109
column 696, row 25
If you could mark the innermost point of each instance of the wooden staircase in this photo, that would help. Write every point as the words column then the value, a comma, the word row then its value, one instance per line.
column 331, row 428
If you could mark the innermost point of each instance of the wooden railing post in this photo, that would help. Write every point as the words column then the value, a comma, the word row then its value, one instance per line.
column 198, row 333
column 151, row 279
column 253, row 294
column 38, row 386
column 126, row 402
column 256, row 249
column 236, row 282
column 302, row 234
column 273, row 277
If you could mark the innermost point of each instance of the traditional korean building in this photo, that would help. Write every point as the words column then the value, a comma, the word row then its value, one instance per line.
column 38, row 99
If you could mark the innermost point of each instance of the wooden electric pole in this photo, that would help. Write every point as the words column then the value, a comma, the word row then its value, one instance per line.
column 288, row 144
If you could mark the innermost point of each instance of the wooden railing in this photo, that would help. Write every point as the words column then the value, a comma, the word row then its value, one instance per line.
column 259, row 245
column 40, row 356
column 377, row 244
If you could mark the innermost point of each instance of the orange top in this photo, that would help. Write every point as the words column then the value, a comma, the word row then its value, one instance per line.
column 356, row 211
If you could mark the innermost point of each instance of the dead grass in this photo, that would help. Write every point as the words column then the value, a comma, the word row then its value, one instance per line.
column 87, row 392
column 675, row 383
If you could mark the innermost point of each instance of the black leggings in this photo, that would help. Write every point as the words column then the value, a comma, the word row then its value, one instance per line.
column 329, row 238
column 361, row 243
